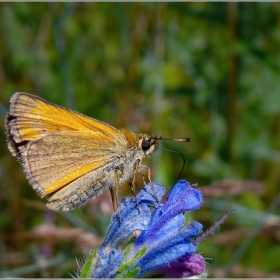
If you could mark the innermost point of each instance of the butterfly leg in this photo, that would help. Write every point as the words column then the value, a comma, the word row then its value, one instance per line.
column 149, row 178
column 132, row 184
column 114, row 195
column 142, row 174
column 143, row 177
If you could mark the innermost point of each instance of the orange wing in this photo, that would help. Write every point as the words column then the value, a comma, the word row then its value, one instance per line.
column 57, row 159
column 31, row 117
column 56, row 145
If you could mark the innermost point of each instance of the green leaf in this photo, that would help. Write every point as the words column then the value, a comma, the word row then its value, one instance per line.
column 132, row 273
column 89, row 265
column 127, row 263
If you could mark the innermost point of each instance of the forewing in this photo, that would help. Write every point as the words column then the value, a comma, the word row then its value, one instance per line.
column 31, row 117
column 57, row 159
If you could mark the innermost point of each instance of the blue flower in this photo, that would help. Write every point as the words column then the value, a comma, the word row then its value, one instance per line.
column 154, row 241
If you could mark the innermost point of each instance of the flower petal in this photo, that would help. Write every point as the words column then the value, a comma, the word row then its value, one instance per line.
column 131, row 221
column 169, row 217
column 153, row 237
column 162, row 255
column 147, row 196
column 181, row 193
column 169, row 248
column 107, row 264
column 186, row 266
column 182, row 198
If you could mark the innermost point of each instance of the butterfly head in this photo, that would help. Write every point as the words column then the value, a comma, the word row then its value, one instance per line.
column 148, row 144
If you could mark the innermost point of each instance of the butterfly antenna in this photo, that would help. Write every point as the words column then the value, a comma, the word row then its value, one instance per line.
column 172, row 139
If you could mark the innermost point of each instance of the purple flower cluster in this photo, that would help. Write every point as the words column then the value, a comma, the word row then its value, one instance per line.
column 155, row 241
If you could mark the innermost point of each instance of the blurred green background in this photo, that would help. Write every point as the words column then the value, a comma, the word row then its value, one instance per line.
column 209, row 71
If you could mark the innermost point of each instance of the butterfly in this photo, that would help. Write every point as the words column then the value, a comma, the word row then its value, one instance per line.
column 70, row 157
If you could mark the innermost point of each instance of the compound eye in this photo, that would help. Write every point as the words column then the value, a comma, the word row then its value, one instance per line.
column 146, row 145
